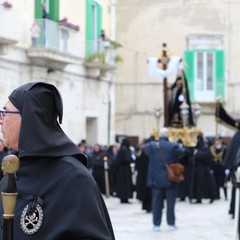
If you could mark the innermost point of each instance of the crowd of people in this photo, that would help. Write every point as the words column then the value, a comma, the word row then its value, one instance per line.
column 119, row 170
column 140, row 169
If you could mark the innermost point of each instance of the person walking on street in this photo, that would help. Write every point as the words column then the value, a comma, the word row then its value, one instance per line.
column 158, row 178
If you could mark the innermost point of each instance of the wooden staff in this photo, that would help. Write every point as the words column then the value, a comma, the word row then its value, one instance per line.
column 106, row 176
column 164, row 60
column 10, row 165
column 218, row 102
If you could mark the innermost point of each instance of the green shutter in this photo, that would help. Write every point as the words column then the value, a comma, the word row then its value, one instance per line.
column 189, row 70
column 38, row 9
column 99, row 19
column 88, row 26
column 54, row 10
column 220, row 74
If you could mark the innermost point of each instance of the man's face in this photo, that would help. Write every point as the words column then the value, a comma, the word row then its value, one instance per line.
column 218, row 143
column 10, row 126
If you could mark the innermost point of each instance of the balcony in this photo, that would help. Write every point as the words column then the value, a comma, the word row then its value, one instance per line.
column 53, row 45
column 101, row 57
column 9, row 33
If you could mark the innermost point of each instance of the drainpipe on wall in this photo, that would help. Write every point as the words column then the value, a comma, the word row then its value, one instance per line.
column 113, row 19
column 112, row 37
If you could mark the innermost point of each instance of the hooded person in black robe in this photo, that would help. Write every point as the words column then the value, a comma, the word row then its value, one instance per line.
column 124, row 182
column 58, row 198
column 144, row 193
column 203, row 182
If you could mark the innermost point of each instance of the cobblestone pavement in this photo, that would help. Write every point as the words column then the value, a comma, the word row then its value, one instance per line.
column 194, row 221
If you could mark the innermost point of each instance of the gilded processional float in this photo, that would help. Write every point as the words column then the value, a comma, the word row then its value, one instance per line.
column 180, row 116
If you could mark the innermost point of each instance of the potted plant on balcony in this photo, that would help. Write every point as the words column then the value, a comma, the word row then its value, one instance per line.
column 64, row 22
column 99, row 57
column 7, row 4
column 115, row 44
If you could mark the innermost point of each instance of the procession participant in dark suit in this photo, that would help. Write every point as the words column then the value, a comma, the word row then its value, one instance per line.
column 217, row 152
column 143, row 191
column 112, row 154
column 184, row 186
column 124, row 158
column 158, row 178
column 97, row 164
column 204, row 185
column 58, row 198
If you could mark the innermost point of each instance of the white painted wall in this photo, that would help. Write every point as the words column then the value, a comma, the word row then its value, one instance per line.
column 81, row 94
column 142, row 26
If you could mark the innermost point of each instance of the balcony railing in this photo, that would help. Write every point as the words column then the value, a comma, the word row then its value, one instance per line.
column 48, row 36
column 103, row 49
column 55, row 37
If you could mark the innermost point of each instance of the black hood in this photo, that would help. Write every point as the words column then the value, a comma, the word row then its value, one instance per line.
column 232, row 150
column 200, row 141
column 40, row 105
column 126, row 143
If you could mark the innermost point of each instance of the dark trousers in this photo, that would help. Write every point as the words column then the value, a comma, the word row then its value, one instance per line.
column 158, row 196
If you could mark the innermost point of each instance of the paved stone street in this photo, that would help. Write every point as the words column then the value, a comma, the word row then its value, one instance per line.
column 194, row 221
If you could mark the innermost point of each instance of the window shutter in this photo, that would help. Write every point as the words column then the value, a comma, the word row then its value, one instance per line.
column 220, row 73
column 38, row 9
column 189, row 70
column 54, row 10
column 89, row 33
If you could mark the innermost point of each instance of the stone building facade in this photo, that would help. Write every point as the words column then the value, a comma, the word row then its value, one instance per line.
column 204, row 33
column 59, row 48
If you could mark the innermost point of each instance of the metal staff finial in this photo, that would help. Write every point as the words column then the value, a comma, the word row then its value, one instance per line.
column 10, row 165
column 106, row 168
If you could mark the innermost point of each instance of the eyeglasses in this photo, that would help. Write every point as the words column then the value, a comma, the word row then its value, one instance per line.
column 3, row 113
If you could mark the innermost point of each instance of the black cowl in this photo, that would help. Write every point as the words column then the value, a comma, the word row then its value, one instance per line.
column 40, row 106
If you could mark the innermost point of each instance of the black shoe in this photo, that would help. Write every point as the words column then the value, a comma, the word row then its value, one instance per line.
column 198, row 201
column 211, row 200
column 124, row 201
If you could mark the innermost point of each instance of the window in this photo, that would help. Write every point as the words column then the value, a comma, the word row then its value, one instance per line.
column 205, row 74
column 52, row 7
column 47, row 4
column 48, row 23
column 93, row 25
